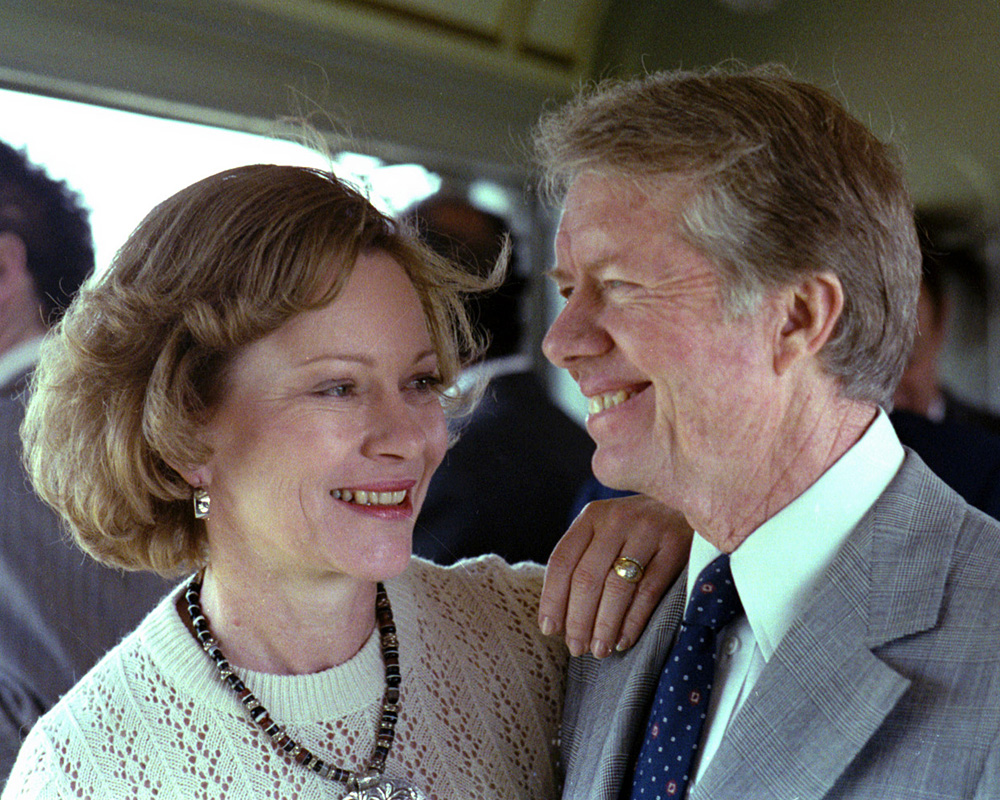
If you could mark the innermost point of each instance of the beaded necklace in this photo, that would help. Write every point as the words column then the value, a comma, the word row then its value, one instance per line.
column 369, row 785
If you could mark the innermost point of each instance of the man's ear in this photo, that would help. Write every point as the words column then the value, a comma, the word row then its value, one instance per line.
column 811, row 310
column 14, row 274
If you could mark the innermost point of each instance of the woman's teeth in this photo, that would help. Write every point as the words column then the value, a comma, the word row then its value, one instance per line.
column 364, row 498
column 602, row 402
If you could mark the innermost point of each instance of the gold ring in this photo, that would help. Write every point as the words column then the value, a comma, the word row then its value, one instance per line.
column 628, row 569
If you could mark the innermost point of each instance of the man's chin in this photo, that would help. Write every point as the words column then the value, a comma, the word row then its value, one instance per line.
column 615, row 473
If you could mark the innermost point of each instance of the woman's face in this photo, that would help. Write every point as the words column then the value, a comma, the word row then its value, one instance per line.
column 327, row 435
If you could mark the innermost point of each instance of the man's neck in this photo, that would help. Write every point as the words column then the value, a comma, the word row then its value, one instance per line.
column 815, row 442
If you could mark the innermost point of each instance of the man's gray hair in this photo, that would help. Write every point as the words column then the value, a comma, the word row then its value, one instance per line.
column 786, row 184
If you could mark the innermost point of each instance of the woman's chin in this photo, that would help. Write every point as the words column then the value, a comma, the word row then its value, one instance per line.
column 386, row 563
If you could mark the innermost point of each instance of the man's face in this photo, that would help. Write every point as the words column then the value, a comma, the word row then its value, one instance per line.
column 678, row 394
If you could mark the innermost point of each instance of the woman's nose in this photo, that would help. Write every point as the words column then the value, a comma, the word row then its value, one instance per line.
column 401, row 431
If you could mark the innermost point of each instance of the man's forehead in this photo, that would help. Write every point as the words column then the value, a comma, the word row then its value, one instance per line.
column 603, row 218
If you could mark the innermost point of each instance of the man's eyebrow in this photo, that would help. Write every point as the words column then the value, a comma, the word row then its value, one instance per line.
column 598, row 267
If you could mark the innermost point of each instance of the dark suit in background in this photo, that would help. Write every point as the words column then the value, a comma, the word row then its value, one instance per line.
column 508, row 485
column 60, row 610
column 964, row 456
column 963, row 413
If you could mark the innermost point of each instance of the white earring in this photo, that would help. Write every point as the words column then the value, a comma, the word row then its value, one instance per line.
column 201, row 503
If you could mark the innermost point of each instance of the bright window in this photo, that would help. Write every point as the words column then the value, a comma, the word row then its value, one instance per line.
column 123, row 163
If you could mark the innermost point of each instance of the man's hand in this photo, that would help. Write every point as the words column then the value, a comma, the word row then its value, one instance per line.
column 585, row 599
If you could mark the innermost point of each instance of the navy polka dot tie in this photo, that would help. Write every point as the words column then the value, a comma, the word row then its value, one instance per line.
column 680, row 705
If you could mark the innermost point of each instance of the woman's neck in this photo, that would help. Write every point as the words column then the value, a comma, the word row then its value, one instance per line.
column 287, row 627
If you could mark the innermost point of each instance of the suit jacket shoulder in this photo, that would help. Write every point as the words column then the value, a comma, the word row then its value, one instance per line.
column 607, row 702
column 887, row 686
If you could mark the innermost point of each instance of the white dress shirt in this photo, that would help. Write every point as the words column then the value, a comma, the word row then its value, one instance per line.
column 777, row 567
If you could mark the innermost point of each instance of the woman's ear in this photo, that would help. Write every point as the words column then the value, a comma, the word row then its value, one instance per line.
column 195, row 477
column 811, row 310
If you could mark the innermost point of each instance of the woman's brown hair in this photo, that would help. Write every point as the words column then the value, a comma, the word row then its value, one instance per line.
column 131, row 372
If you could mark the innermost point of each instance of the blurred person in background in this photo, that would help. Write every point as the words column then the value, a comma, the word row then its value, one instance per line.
column 507, row 485
column 59, row 610
column 920, row 390
column 959, row 441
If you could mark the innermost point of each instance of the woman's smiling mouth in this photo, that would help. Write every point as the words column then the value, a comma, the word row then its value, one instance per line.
column 365, row 497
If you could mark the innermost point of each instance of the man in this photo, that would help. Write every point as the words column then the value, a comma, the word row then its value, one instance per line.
column 741, row 270
column 59, row 611
column 507, row 485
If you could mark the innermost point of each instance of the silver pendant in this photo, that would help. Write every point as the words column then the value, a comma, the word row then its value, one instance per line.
column 375, row 787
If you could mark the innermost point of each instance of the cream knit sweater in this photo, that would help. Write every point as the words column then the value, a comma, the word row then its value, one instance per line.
column 481, row 694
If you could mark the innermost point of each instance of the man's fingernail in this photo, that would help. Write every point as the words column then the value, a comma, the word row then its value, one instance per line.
column 576, row 647
column 548, row 626
column 623, row 644
column 600, row 649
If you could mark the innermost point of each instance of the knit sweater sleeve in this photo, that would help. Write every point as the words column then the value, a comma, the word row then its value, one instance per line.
column 481, row 699
column 487, row 686
column 37, row 773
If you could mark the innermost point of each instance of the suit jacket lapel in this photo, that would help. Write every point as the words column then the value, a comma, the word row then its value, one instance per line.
column 824, row 693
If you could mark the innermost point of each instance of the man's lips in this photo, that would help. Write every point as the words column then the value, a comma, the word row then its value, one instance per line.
column 607, row 400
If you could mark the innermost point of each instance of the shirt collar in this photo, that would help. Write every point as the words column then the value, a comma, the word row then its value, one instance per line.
column 19, row 359
column 777, row 567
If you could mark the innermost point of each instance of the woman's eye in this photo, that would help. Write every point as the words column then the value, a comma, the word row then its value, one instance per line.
column 427, row 383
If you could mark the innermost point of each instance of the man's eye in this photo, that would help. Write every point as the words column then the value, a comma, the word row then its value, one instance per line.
column 342, row 389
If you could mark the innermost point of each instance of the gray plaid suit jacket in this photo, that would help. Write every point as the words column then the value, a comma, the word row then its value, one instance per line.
column 887, row 687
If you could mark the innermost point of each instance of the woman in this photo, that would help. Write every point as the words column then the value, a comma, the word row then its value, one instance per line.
column 253, row 392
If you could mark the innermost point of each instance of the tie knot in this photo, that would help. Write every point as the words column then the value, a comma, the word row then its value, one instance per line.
column 714, row 601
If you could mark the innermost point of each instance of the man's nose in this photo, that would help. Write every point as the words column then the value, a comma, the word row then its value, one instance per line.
column 576, row 332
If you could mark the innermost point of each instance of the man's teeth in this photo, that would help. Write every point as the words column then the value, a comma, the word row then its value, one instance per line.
column 364, row 498
column 603, row 402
